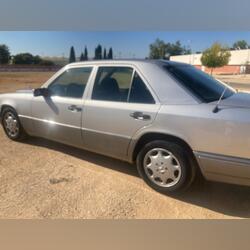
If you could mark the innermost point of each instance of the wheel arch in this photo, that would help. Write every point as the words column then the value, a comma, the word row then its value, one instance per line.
column 4, row 106
column 152, row 136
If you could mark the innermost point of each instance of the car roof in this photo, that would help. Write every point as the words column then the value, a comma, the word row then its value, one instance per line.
column 122, row 61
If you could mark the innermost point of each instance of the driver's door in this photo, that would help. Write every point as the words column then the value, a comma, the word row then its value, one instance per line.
column 58, row 117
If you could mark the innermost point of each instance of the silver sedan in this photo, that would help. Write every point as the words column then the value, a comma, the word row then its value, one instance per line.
column 171, row 119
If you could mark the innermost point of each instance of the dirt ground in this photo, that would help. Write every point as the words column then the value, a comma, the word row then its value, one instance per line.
column 42, row 179
column 11, row 81
column 240, row 82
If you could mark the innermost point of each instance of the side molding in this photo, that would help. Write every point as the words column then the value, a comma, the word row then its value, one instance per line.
column 224, row 168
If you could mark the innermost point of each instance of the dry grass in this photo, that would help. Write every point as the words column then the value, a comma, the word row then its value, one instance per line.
column 235, row 78
column 11, row 81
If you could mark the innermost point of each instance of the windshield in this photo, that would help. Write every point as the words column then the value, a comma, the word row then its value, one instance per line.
column 199, row 83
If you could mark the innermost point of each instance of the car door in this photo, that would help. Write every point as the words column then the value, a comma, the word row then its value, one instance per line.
column 120, row 104
column 59, row 116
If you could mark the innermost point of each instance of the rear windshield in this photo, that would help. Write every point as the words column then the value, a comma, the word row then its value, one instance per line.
column 199, row 83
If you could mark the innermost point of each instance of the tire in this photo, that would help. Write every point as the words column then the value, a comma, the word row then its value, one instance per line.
column 165, row 167
column 12, row 125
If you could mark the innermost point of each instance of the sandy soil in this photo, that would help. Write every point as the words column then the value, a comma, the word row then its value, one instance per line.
column 42, row 179
column 10, row 81
column 235, row 78
column 239, row 82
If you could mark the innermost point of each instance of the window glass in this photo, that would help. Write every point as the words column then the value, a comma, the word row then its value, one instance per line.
column 199, row 83
column 139, row 92
column 71, row 83
column 112, row 84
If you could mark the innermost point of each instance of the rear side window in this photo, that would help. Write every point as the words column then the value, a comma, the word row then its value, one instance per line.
column 120, row 84
column 112, row 84
column 199, row 83
column 71, row 83
column 139, row 92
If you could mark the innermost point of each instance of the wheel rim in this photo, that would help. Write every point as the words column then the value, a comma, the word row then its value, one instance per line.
column 11, row 124
column 162, row 167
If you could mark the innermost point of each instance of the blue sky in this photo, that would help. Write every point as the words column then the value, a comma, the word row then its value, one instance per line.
column 125, row 44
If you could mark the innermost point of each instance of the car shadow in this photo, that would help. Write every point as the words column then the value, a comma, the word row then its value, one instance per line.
column 84, row 155
column 231, row 200
column 227, row 199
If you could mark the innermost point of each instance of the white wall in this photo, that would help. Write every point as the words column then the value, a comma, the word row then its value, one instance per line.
column 238, row 57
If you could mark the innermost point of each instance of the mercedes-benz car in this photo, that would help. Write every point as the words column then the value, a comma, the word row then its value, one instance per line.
column 171, row 119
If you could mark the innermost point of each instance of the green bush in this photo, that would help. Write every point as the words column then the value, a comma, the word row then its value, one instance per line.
column 46, row 63
column 26, row 58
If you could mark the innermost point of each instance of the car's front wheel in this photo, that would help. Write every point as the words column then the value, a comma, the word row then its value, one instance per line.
column 11, row 124
column 164, row 166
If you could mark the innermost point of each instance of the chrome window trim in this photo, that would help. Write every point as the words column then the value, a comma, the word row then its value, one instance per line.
column 130, row 85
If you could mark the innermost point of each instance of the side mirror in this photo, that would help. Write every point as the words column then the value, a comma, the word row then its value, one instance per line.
column 41, row 92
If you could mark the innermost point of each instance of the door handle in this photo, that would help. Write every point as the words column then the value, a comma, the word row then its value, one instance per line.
column 140, row 116
column 74, row 108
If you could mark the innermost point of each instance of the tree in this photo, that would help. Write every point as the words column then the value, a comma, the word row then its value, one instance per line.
column 174, row 49
column 4, row 54
column 241, row 44
column 72, row 55
column 158, row 49
column 86, row 53
column 161, row 50
column 37, row 60
column 105, row 54
column 29, row 59
column 110, row 54
column 82, row 57
column 215, row 56
column 98, row 52
column 26, row 58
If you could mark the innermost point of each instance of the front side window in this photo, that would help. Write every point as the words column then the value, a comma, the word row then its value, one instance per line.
column 71, row 83
column 112, row 84
column 199, row 83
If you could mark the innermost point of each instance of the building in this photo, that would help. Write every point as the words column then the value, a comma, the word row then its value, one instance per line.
column 239, row 62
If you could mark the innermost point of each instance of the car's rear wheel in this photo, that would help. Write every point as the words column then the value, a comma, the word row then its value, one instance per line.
column 165, row 166
column 11, row 124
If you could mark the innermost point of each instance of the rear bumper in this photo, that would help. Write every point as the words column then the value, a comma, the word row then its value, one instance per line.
column 222, row 168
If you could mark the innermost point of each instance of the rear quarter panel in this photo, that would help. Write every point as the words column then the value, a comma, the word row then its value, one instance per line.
column 226, row 132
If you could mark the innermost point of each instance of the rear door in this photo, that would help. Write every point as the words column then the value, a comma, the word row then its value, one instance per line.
column 120, row 104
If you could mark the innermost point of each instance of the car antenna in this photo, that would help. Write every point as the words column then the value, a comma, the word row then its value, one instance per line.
column 216, row 108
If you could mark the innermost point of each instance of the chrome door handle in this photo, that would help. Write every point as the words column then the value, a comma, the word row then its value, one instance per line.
column 140, row 116
column 74, row 108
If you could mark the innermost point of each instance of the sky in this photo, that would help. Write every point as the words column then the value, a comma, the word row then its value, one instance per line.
column 124, row 44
